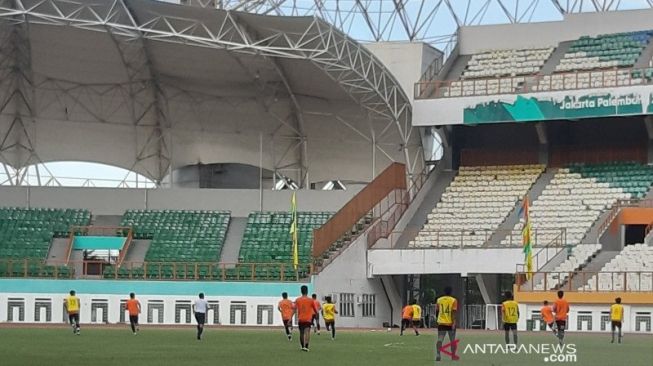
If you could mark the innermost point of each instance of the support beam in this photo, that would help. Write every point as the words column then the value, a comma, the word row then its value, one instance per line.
column 296, row 109
column 149, row 107
column 17, row 104
column 542, row 137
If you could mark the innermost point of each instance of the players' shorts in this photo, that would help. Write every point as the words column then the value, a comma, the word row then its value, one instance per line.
column 616, row 324
column 561, row 324
column 444, row 328
column 133, row 319
column 200, row 317
column 417, row 323
column 305, row 325
column 405, row 323
column 329, row 323
column 73, row 318
column 287, row 322
column 550, row 325
column 509, row 326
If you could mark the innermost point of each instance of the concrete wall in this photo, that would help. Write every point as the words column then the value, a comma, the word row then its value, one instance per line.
column 348, row 274
column 480, row 38
column 114, row 201
column 461, row 261
column 169, row 304
column 407, row 61
column 170, row 294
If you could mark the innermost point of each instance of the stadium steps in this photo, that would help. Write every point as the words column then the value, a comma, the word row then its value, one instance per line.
column 593, row 234
column 136, row 253
column 456, row 70
column 106, row 220
column 649, row 194
column 233, row 240
column 644, row 59
column 513, row 217
column 77, row 262
column 443, row 179
column 594, row 265
column 58, row 252
column 550, row 65
column 648, row 239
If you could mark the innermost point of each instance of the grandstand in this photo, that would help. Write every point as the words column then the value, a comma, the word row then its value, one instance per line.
column 412, row 165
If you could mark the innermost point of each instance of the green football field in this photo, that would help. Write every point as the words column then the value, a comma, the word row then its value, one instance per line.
column 99, row 346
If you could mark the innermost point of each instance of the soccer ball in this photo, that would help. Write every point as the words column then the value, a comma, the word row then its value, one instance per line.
column 389, row 329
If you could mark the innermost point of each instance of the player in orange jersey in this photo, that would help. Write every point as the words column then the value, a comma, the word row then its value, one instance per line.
column 305, row 311
column 547, row 316
column 133, row 306
column 561, row 310
column 287, row 310
column 406, row 318
column 316, row 317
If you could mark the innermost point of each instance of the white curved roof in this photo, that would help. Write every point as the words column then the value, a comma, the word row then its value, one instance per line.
column 151, row 86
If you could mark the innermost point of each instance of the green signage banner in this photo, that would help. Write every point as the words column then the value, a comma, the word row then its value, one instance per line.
column 533, row 108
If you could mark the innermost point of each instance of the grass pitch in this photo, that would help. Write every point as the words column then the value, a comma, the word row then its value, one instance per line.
column 99, row 346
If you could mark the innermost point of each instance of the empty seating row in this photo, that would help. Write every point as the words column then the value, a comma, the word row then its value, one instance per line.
column 267, row 236
column 27, row 232
column 631, row 177
column 630, row 270
column 604, row 51
column 187, row 236
column 580, row 255
column 577, row 195
column 475, row 204
column 506, row 62
column 592, row 79
column 33, row 268
column 211, row 272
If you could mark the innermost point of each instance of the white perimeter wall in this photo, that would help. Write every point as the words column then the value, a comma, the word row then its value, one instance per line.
column 504, row 36
column 225, row 304
column 432, row 261
column 114, row 201
column 633, row 315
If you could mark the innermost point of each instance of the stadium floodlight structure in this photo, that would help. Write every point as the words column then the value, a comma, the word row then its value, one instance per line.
column 147, row 104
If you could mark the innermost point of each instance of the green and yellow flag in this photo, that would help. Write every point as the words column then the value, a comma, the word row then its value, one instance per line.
column 294, row 232
column 526, row 238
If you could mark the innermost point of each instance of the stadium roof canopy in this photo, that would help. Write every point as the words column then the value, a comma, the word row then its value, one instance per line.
column 151, row 87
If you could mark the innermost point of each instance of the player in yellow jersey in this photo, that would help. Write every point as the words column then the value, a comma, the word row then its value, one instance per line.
column 329, row 314
column 617, row 317
column 510, row 316
column 417, row 316
column 445, row 310
column 72, row 304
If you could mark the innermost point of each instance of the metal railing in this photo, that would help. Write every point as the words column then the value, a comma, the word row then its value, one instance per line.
column 385, row 225
column 436, row 65
column 616, row 208
column 626, row 281
column 117, row 231
column 544, row 254
column 433, row 89
column 393, row 178
column 462, row 239
column 149, row 270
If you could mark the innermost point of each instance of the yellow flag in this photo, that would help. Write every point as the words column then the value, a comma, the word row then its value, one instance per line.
column 294, row 233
